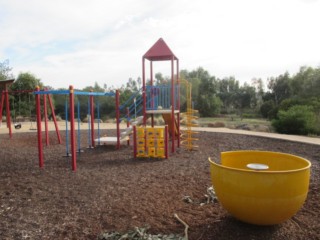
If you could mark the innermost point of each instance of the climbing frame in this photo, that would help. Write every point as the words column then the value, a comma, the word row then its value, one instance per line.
column 150, row 142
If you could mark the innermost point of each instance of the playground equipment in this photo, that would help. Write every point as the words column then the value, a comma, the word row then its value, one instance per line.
column 167, row 95
column 150, row 142
column 4, row 104
column 263, row 188
column 164, row 100
column 71, row 93
column 187, row 137
column 5, row 100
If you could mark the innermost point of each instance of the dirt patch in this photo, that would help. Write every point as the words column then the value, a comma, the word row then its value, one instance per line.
column 113, row 192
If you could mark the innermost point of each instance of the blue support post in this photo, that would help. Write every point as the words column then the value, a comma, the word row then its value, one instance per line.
column 89, row 125
column 79, row 132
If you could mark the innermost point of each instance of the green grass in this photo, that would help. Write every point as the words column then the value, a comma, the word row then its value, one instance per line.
column 254, row 124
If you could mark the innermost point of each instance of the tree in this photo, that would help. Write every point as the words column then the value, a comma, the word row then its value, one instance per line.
column 257, row 83
column 132, row 85
column 194, row 81
column 24, row 103
column 245, row 97
column 306, row 83
column 159, row 79
column 208, row 103
column 228, row 90
column 268, row 109
column 280, row 87
column 5, row 71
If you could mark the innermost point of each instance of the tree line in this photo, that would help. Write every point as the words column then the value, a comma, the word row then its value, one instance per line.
column 290, row 102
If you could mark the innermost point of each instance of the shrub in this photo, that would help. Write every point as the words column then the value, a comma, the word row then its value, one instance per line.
column 216, row 125
column 298, row 119
column 268, row 109
column 58, row 118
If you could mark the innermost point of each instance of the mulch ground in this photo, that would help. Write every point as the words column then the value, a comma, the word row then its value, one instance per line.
column 111, row 191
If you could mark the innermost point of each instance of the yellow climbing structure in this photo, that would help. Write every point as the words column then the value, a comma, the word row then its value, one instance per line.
column 188, row 138
column 151, row 142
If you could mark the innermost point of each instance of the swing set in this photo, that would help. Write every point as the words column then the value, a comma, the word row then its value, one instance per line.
column 5, row 104
column 70, row 115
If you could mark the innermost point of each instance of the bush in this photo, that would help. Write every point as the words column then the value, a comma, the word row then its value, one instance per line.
column 216, row 125
column 58, row 118
column 298, row 119
column 268, row 109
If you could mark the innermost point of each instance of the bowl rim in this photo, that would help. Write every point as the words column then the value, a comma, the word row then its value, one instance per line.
column 263, row 171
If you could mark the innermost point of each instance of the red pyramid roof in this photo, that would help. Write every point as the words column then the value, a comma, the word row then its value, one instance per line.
column 159, row 52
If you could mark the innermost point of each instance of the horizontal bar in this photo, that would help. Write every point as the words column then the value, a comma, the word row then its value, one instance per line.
column 52, row 92
column 57, row 92
column 95, row 93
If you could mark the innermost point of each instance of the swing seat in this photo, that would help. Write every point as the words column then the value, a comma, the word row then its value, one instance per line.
column 17, row 125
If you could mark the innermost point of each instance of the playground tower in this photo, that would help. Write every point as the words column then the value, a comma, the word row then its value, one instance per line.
column 164, row 99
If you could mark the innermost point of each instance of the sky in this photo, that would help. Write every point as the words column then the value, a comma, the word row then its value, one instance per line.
column 77, row 42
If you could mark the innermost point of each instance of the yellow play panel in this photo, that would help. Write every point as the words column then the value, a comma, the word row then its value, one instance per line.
column 259, row 187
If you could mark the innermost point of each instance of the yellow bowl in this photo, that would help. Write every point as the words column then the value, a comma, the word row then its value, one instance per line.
column 258, row 187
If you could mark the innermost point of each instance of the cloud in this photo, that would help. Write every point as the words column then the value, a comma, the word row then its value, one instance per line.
column 82, row 42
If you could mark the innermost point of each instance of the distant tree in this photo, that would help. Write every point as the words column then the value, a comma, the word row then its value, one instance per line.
column 5, row 70
column 280, row 87
column 139, row 81
column 159, row 79
column 195, row 82
column 228, row 91
column 132, row 85
column 26, row 81
column 267, row 109
column 306, row 83
column 208, row 103
column 257, row 83
column 24, row 103
column 245, row 97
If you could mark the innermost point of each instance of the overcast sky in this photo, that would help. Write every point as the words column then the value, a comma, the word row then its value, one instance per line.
column 80, row 42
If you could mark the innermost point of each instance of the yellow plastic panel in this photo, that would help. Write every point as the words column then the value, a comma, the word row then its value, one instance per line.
column 160, row 152
column 160, row 143
column 150, row 143
column 140, row 132
column 141, row 152
column 150, row 132
column 151, row 152
column 159, row 132
column 141, row 142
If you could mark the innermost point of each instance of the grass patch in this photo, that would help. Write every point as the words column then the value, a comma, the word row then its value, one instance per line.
column 236, row 122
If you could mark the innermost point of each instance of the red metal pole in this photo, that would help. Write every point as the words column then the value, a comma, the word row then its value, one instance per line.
column 118, row 117
column 8, row 113
column 134, row 142
column 144, row 93
column 172, row 106
column 166, row 141
column 1, row 106
column 92, row 120
column 54, row 119
column 152, row 93
column 128, row 124
column 73, row 142
column 45, row 118
column 39, row 132
column 178, row 98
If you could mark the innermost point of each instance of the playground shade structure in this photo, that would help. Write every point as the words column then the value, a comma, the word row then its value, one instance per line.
column 259, row 187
